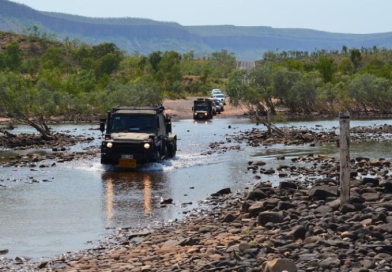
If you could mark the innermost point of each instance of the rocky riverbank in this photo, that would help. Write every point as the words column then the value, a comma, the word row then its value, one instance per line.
column 298, row 225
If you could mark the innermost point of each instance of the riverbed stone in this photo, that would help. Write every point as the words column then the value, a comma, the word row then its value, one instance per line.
column 270, row 217
column 323, row 192
column 279, row 265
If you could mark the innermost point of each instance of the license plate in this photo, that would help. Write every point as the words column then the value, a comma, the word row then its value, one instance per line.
column 126, row 156
column 127, row 163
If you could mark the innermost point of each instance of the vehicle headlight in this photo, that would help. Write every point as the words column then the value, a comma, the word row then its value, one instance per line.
column 109, row 145
column 195, row 113
column 147, row 146
column 205, row 114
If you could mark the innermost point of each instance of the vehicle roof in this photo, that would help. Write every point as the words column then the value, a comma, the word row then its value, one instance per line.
column 149, row 112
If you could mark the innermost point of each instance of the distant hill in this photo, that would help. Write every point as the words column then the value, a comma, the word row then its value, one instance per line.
column 145, row 36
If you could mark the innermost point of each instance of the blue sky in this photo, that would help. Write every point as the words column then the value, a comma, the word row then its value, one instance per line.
column 345, row 16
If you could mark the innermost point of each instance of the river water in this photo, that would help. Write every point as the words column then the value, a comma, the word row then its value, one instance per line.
column 81, row 201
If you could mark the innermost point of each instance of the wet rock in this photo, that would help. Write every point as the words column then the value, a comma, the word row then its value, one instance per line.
column 259, row 163
column 167, row 201
column 323, row 192
column 269, row 217
column 225, row 191
column 4, row 251
column 43, row 264
column 279, row 265
column 373, row 181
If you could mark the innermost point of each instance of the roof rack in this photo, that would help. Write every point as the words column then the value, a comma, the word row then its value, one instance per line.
column 158, row 109
column 203, row 99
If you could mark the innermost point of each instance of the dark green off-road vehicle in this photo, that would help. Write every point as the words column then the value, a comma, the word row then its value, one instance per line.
column 137, row 135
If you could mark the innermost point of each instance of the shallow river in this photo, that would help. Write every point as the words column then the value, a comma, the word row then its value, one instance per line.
column 84, row 201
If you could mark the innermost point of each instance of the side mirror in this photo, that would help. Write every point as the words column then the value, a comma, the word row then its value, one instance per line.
column 168, row 124
column 169, row 127
column 193, row 108
column 158, row 123
column 102, row 124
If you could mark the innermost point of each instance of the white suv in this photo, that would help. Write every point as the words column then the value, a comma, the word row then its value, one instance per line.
column 221, row 97
column 215, row 91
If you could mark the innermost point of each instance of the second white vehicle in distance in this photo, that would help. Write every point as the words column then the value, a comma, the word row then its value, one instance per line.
column 220, row 97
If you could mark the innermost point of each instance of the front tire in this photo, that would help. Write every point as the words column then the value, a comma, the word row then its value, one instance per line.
column 172, row 149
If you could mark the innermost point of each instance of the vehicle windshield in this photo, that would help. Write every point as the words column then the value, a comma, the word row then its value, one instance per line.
column 134, row 123
column 220, row 96
column 201, row 107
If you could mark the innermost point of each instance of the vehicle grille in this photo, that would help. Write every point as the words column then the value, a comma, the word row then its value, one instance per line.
column 124, row 148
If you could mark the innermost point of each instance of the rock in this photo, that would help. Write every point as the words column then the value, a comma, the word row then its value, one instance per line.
column 243, row 247
column 324, row 209
column 323, row 192
column 279, row 265
column 270, row 217
column 299, row 232
column 388, row 186
column 385, row 228
column 256, row 208
column 229, row 218
column 170, row 244
column 139, row 234
column 42, row 264
column 284, row 205
column 259, row 163
column 346, row 208
column 189, row 242
column 373, row 181
column 329, row 263
column 287, row 185
column 167, row 201
column 334, row 204
column 256, row 195
column 4, row 251
column 225, row 191
column 371, row 197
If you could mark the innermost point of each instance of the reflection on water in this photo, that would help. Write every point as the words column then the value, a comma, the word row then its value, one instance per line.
column 147, row 194
column 109, row 201
column 127, row 192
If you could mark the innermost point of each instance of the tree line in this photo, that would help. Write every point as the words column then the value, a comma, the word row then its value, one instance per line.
column 42, row 78
column 325, row 82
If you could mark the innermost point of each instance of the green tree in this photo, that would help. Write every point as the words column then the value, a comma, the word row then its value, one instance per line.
column 327, row 67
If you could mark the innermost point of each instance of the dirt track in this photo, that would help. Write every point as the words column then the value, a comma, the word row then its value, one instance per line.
column 182, row 109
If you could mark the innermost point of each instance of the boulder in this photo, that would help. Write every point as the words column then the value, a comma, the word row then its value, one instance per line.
column 270, row 217
column 371, row 197
column 256, row 195
column 256, row 208
column 346, row 208
column 225, row 191
column 298, row 232
column 279, row 265
column 323, row 192
column 229, row 218
column 284, row 205
column 372, row 181
column 284, row 185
